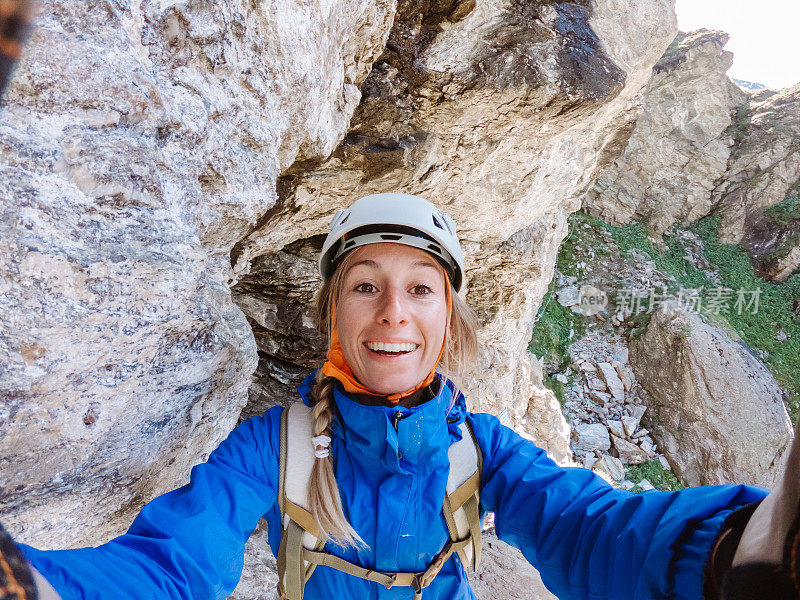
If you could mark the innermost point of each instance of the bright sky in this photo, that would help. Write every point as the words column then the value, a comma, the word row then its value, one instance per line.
column 764, row 36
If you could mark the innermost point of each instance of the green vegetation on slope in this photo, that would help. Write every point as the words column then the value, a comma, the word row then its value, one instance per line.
column 786, row 211
column 757, row 325
column 747, row 305
column 556, row 326
column 654, row 473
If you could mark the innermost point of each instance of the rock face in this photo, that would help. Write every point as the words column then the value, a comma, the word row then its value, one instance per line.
column 475, row 107
column 680, row 145
column 759, row 198
column 718, row 412
column 260, row 576
column 140, row 142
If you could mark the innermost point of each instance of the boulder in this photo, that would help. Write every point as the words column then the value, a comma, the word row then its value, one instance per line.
column 717, row 412
column 629, row 453
column 611, row 465
column 612, row 380
column 646, row 485
column 591, row 437
column 601, row 397
column 616, row 428
column 568, row 296
column 629, row 424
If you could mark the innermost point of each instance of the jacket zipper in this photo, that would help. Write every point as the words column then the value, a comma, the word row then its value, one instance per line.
column 395, row 420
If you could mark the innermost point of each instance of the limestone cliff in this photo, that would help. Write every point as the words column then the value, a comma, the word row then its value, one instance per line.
column 759, row 195
column 140, row 142
column 680, row 145
column 717, row 411
column 703, row 145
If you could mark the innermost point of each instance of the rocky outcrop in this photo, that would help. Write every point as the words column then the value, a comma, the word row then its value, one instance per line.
column 605, row 406
column 680, row 145
column 759, row 197
column 703, row 145
column 260, row 574
column 717, row 412
column 140, row 142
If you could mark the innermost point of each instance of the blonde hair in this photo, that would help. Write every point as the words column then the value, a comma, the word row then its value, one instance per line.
column 461, row 347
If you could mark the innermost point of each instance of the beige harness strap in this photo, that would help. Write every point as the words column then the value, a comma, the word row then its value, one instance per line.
column 290, row 564
column 300, row 530
column 418, row 581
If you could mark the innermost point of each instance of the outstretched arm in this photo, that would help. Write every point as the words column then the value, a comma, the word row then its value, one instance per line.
column 590, row 540
column 188, row 543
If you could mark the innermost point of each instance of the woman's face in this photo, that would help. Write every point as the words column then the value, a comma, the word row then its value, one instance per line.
column 391, row 294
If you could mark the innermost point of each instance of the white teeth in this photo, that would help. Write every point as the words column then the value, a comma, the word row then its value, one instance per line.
column 391, row 347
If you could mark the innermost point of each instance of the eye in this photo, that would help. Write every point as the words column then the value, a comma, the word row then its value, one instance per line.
column 421, row 289
column 366, row 288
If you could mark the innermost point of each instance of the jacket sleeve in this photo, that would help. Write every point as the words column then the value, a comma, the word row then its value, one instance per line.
column 590, row 540
column 188, row 543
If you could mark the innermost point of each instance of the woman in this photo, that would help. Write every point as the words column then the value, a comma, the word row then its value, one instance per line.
column 384, row 417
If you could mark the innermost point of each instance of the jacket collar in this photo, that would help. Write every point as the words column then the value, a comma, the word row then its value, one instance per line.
column 400, row 439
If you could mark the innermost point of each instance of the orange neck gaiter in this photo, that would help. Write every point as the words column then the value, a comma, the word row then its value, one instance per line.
column 336, row 366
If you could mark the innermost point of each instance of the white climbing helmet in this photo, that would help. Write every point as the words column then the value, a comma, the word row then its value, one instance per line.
column 398, row 218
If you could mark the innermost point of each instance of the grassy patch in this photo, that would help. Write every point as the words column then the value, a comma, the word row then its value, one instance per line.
column 556, row 326
column 786, row 211
column 654, row 473
column 559, row 389
column 741, row 121
column 555, row 329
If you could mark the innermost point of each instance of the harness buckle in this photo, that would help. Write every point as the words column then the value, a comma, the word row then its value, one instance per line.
column 435, row 566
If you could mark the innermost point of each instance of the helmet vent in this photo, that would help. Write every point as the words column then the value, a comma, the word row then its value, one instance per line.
column 447, row 223
column 392, row 237
column 436, row 222
column 346, row 216
column 349, row 244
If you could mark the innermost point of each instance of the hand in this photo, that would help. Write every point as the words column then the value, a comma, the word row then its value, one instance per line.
column 767, row 557
column 18, row 579
column 765, row 537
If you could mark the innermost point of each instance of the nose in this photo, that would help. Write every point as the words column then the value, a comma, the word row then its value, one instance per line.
column 393, row 308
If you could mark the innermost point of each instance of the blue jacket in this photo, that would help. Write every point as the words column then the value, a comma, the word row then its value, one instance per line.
column 588, row 539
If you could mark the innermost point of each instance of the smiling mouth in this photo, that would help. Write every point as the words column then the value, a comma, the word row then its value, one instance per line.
column 387, row 349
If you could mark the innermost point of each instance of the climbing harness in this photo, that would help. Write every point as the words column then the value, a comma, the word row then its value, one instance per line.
column 301, row 549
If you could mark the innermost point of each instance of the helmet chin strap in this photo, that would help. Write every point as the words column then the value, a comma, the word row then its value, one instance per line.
column 336, row 366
